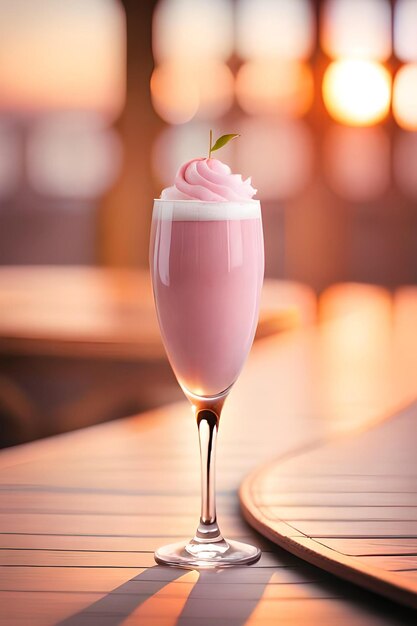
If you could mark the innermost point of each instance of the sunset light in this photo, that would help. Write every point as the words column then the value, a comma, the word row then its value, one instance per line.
column 357, row 92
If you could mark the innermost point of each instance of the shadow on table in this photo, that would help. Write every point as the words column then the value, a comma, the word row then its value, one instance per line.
column 228, row 597
column 192, row 595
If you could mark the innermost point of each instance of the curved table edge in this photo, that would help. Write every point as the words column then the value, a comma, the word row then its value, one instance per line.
column 306, row 548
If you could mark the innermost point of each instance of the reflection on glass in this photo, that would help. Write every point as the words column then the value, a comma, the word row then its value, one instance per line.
column 404, row 101
column 284, row 166
column 405, row 29
column 357, row 162
column 275, row 86
column 192, row 28
column 357, row 28
column 357, row 92
column 207, row 265
column 274, row 29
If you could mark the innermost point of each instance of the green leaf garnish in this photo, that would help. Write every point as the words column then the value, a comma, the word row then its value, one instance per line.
column 221, row 141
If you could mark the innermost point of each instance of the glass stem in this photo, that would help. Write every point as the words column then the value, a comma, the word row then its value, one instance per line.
column 208, row 530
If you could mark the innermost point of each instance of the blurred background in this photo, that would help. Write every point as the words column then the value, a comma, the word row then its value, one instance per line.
column 102, row 100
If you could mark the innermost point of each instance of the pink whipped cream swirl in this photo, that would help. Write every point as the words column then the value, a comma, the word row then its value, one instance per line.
column 208, row 180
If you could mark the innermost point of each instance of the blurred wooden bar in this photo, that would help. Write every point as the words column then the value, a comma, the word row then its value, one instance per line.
column 85, row 311
column 89, row 337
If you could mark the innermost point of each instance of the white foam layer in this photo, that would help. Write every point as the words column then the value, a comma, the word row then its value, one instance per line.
column 197, row 210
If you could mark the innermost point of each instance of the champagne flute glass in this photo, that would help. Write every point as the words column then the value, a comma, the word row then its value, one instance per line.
column 207, row 266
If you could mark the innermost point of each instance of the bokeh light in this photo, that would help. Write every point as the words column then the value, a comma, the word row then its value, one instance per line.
column 357, row 162
column 175, row 95
column 274, row 29
column 404, row 100
column 182, row 90
column 357, row 92
column 405, row 163
column 199, row 29
column 275, row 86
column 72, row 155
column 277, row 154
column 176, row 145
column 215, row 89
column 357, row 28
column 405, row 30
column 62, row 55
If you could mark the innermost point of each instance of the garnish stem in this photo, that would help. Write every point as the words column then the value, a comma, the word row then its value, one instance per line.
column 211, row 141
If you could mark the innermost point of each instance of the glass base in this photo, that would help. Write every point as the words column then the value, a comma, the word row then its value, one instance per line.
column 207, row 555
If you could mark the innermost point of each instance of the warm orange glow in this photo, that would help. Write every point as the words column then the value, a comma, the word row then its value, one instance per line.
column 275, row 87
column 166, row 605
column 215, row 85
column 404, row 102
column 182, row 90
column 274, row 29
column 357, row 162
column 268, row 608
column 356, row 352
column 175, row 97
column 357, row 92
column 62, row 55
column 360, row 29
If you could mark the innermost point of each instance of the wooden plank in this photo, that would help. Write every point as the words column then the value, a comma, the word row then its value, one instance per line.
column 111, row 559
column 337, row 499
column 407, row 562
column 383, row 573
column 106, row 543
column 92, row 579
column 354, row 528
column 131, row 525
column 339, row 513
column 368, row 547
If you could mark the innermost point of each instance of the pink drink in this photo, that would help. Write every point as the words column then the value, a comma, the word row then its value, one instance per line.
column 207, row 266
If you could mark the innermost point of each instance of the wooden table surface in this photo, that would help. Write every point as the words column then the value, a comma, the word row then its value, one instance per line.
column 82, row 513
column 348, row 506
